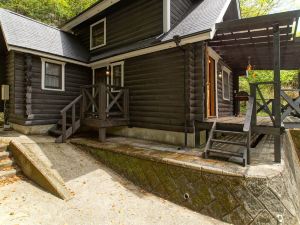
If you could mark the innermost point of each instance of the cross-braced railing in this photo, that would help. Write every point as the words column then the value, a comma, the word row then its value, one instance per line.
column 101, row 101
column 290, row 104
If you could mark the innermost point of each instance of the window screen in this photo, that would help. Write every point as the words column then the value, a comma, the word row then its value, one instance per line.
column 226, row 86
column 53, row 76
column 98, row 35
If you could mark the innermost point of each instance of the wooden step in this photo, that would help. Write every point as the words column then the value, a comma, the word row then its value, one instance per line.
column 8, row 173
column 60, row 124
column 4, row 155
column 226, row 153
column 228, row 142
column 6, row 163
column 55, row 132
column 229, row 132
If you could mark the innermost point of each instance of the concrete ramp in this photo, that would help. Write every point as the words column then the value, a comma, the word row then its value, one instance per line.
column 36, row 166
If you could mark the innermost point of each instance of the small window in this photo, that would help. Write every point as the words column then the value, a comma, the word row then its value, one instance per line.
column 98, row 34
column 226, row 84
column 117, row 75
column 53, row 75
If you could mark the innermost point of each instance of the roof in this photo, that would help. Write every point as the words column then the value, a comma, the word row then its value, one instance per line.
column 203, row 17
column 23, row 32
column 93, row 10
column 26, row 33
column 238, row 40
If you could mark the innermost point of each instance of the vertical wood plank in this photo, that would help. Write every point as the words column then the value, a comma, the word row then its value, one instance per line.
column 277, row 89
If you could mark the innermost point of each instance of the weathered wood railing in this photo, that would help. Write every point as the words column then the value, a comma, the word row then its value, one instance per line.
column 274, row 113
column 292, row 105
column 75, row 124
column 247, row 126
column 103, row 101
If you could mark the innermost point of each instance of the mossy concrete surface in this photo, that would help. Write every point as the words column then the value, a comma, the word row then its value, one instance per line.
column 34, row 168
column 296, row 139
column 234, row 199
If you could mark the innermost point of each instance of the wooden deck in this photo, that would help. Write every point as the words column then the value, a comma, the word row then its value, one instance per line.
column 261, row 121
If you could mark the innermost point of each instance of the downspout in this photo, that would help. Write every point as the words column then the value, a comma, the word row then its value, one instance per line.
column 177, row 40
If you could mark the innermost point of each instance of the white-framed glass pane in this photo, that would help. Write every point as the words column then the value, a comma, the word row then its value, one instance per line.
column 117, row 75
column 53, row 76
column 98, row 34
column 226, row 85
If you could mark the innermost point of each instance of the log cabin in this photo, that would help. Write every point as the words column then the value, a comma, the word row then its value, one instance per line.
column 163, row 70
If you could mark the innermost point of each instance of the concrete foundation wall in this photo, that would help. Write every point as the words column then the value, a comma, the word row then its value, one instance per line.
column 168, row 137
column 37, row 129
column 236, row 199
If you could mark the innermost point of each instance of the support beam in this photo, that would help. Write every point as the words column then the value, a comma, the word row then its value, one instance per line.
column 277, row 89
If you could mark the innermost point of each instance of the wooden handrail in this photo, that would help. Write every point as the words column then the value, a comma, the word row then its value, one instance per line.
column 70, row 105
column 248, row 117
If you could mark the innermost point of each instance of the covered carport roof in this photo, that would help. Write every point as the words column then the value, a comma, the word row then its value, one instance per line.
column 238, row 41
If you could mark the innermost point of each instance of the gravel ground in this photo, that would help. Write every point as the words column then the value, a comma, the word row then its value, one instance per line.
column 100, row 197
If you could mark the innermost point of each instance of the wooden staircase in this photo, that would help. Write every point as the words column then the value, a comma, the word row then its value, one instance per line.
column 70, row 122
column 97, row 107
column 7, row 166
column 228, row 144
column 223, row 147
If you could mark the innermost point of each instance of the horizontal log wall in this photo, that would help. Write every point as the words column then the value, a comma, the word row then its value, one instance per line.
column 225, row 107
column 126, row 22
column 34, row 106
column 156, row 84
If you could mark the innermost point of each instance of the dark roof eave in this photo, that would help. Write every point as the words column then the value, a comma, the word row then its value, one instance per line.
column 154, row 45
column 40, row 53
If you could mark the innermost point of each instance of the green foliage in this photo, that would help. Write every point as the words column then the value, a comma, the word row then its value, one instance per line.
column 251, row 8
column 54, row 12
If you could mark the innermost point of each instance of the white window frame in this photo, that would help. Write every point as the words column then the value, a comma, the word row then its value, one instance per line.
column 112, row 74
column 228, row 71
column 91, row 34
column 44, row 61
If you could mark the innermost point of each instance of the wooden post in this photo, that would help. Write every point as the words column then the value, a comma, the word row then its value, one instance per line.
column 64, row 126
column 73, row 118
column 126, row 103
column 299, row 81
column 253, row 95
column 102, row 104
column 277, row 89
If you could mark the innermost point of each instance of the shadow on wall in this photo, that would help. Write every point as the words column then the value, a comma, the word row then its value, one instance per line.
column 296, row 138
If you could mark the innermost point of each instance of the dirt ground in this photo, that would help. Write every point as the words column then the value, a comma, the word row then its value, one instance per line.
column 100, row 196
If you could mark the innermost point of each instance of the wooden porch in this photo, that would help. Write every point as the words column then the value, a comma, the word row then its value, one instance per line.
column 99, row 106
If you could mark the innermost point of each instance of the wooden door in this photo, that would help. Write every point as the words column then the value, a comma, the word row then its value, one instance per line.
column 100, row 75
column 211, row 88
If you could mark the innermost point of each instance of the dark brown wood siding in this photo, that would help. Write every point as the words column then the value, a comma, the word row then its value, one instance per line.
column 179, row 9
column 34, row 106
column 126, row 22
column 225, row 107
column 197, row 96
column 156, row 84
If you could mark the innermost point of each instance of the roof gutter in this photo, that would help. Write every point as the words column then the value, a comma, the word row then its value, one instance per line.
column 47, row 55
column 92, row 11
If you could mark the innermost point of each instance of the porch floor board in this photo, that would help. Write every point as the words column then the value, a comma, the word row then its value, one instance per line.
column 261, row 121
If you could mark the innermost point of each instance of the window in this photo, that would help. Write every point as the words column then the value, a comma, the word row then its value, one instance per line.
column 53, row 75
column 98, row 34
column 226, row 83
column 117, row 74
